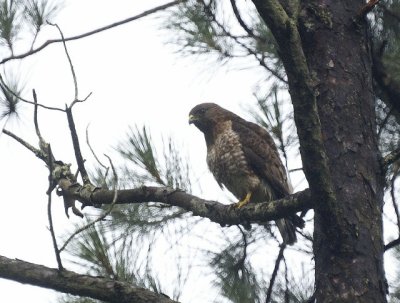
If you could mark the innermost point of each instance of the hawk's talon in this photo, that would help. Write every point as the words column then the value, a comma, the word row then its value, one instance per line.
column 243, row 202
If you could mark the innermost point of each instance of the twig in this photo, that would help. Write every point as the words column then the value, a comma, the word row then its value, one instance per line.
column 392, row 244
column 275, row 272
column 25, row 100
column 49, row 214
column 42, row 143
column 69, row 60
column 384, row 121
column 249, row 50
column 80, row 101
column 96, row 31
column 241, row 22
column 105, row 214
column 396, row 208
column 77, row 149
column 91, row 149
column 38, row 153
column 287, row 300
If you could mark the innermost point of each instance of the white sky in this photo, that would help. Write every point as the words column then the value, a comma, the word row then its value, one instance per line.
column 135, row 78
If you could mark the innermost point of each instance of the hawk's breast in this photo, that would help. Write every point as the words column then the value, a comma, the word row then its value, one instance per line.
column 227, row 162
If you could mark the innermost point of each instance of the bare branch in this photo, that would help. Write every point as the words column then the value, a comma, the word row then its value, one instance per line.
column 69, row 61
column 42, row 143
column 241, row 22
column 105, row 214
column 392, row 244
column 49, row 213
column 77, row 149
column 275, row 272
column 76, row 284
column 213, row 210
column 261, row 59
column 96, row 31
column 92, row 150
column 38, row 153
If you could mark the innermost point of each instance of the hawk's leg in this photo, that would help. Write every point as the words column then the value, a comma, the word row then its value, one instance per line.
column 244, row 202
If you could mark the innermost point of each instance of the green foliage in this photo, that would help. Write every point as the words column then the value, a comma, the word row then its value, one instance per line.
column 197, row 33
column 298, row 289
column 9, row 22
column 38, row 12
column 10, row 90
column 140, row 151
column 207, row 28
column 15, row 15
column 235, row 276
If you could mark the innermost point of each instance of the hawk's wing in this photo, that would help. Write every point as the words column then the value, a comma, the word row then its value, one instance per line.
column 262, row 155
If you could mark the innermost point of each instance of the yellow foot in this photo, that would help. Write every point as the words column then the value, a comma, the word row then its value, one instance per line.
column 244, row 202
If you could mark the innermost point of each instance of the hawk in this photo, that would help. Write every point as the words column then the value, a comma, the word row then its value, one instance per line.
column 243, row 157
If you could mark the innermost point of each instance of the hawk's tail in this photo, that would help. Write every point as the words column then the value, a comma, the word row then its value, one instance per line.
column 287, row 230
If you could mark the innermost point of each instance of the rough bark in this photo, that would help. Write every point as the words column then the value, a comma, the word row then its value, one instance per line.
column 334, row 44
column 337, row 48
column 72, row 283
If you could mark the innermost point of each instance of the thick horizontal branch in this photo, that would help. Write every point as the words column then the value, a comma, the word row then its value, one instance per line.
column 213, row 210
column 76, row 284
column 217, row 212
column 96, row 31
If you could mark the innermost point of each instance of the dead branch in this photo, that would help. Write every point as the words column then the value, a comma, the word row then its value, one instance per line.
column 105, row 214
column 77, row 149
column 76, row 284
column 49, row 213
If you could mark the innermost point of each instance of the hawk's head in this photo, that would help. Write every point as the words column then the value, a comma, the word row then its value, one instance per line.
column 206, row 115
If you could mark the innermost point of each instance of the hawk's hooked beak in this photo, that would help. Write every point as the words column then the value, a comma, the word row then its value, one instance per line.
column 192, row 119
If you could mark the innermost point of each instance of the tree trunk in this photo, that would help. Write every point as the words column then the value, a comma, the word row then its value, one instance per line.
column 349, row 253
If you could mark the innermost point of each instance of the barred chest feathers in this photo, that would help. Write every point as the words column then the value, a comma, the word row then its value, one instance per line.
column 227, row 162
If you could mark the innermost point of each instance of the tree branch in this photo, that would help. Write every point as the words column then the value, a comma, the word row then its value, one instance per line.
column 96, row 31
column 77, row 148
column 82, row 285
column 213, row 210
column 274, row 273
column 303, row 93
column 392, row 244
